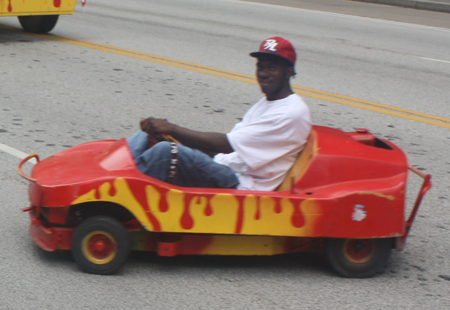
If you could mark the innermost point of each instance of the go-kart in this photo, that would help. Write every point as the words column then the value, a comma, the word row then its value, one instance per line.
column 345, row 195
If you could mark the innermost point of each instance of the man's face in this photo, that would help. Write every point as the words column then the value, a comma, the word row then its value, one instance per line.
column 273, row 76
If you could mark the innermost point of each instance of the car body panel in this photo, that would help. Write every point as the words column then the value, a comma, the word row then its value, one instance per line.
column 36, row 7
column 346, row 189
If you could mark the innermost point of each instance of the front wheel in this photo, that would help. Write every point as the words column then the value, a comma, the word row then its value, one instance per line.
column 358, row 258
column 101, row 245
column 38, row 23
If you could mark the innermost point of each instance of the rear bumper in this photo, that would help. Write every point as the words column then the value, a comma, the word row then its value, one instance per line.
column 426, row 185
column 50, row 238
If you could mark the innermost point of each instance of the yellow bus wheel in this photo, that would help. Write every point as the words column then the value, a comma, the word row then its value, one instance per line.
column 38, row 23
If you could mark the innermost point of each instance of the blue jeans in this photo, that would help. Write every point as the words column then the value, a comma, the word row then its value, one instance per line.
column 194, row 168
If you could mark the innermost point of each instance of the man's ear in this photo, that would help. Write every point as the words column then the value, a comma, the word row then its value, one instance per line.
column 290, row 72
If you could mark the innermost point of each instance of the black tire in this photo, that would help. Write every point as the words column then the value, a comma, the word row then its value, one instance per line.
column 358, row 258
column 101, row 245
column 38, row 23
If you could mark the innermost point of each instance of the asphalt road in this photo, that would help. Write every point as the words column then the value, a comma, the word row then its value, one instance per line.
column 99, row 72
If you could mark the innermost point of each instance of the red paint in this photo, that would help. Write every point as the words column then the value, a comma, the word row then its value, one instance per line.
column 57, row 215
column 298, row 219
column 187, row 222
column 278, row 208
column 57, row 3
column 97, row 194
column 240, row 215
column 258, row 209
column 163, row 204
column 112, row 190
column 138, row 190
column 9, row 6
column 194, row 243
column 208, row 209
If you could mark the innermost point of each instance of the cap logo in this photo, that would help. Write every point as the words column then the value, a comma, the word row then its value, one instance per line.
column 270, row 45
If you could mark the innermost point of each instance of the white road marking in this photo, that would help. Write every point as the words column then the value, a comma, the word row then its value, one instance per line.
column 434, row 59
column 16, row 153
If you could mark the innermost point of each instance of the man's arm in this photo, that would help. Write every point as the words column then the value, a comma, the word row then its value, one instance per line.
column 208, row 142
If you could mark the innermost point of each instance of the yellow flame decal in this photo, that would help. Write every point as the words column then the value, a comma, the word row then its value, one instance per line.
column 178, row 211
column 277, row 223
column 123, row 196
column 223, row 217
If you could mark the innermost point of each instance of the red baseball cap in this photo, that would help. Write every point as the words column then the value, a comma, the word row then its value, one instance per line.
column 277, row 46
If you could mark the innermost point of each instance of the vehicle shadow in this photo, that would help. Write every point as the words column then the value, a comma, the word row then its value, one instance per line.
column 59, row 256
column 315, row 261
column 12, row 35
column 138, row 260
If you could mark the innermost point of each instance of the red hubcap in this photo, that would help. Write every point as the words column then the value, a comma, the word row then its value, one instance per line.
column 100, row 246
column 359, row 250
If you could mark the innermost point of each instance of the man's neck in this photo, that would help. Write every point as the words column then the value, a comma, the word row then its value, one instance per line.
column 279, row 96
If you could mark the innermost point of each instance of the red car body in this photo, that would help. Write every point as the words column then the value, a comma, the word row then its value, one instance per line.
column 344, row 187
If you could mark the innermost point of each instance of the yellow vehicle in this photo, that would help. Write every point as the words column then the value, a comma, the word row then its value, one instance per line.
column 37, row 16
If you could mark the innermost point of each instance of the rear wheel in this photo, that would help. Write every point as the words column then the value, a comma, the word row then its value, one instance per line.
column 101, row 245
column 38, row 23
column 358, row 258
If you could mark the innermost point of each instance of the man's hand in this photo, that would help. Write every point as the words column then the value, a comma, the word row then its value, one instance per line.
column 156, row 126
column 207, row 142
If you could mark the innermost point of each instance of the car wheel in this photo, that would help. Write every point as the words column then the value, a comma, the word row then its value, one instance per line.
column 38, row 23
column 101, row 245
column 358, row 258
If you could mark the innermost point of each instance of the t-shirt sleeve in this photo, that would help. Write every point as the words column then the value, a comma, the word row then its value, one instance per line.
column 268, row 138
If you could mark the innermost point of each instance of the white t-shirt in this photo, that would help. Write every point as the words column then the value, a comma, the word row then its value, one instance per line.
column 267, row 142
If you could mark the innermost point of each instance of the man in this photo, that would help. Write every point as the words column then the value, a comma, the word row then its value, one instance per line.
column 255, row 155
